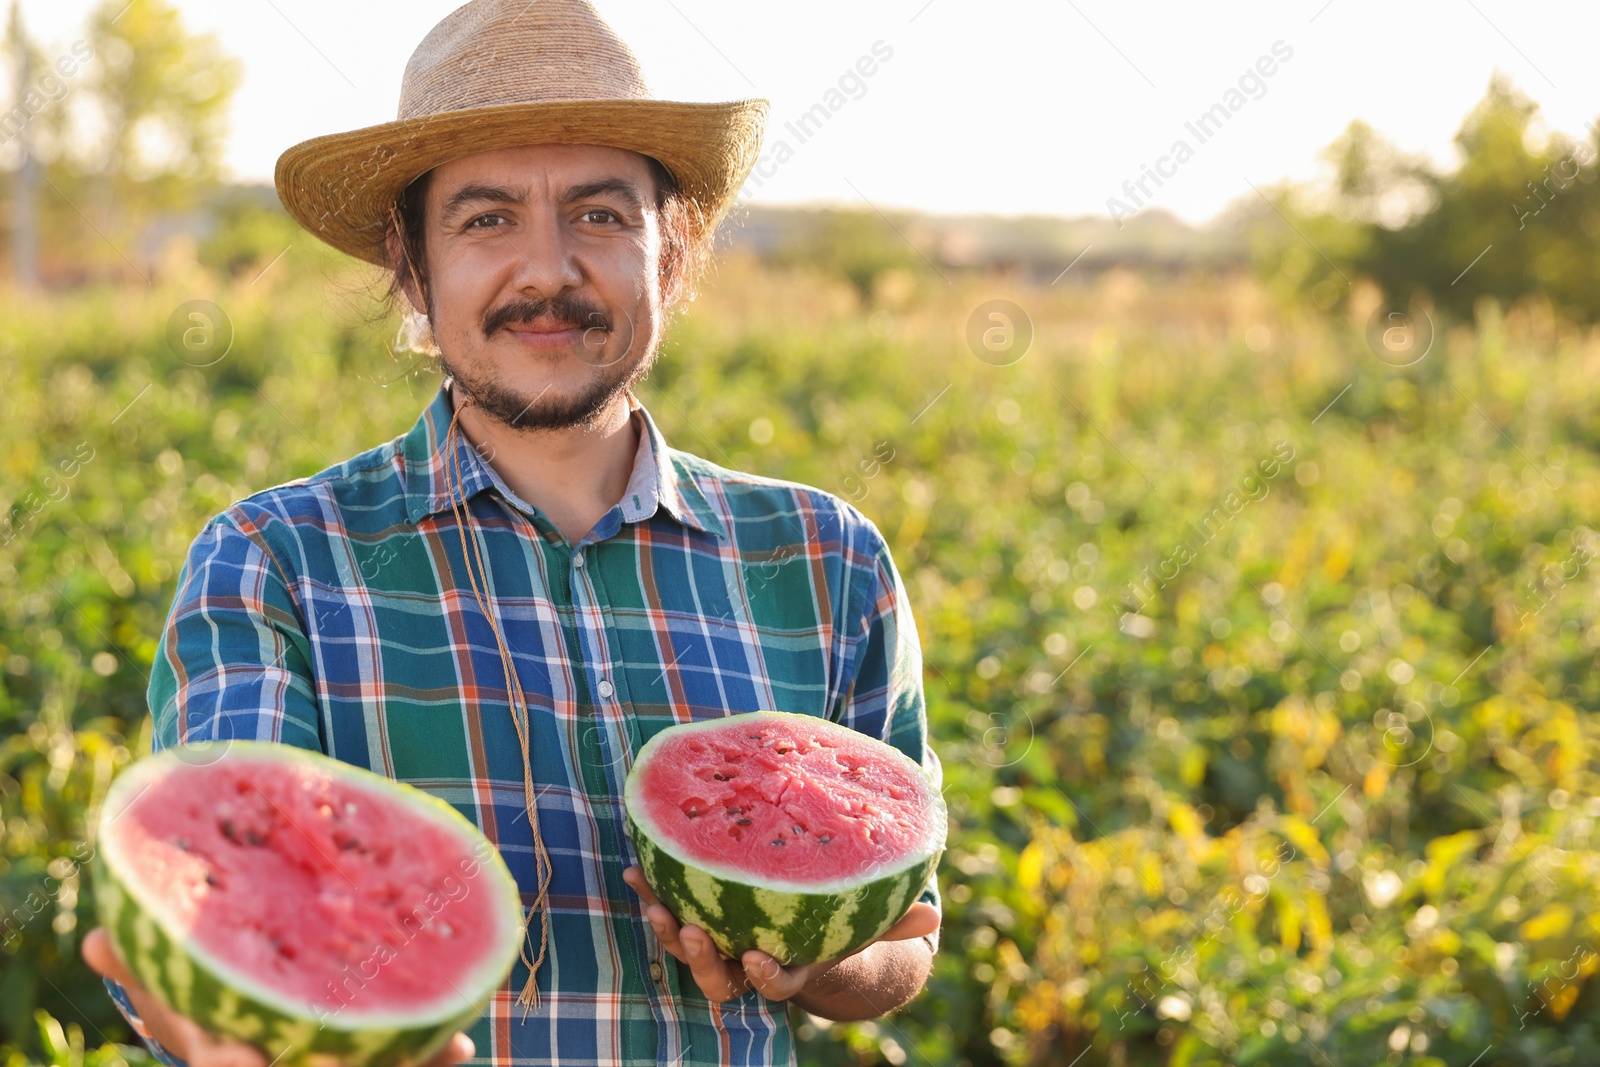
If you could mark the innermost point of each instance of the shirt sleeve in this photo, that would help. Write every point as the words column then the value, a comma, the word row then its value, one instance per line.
column 119, row 997
column 233, row 662
column 885, row 697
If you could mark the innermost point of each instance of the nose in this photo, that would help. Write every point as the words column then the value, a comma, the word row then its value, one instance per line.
column 547, row 259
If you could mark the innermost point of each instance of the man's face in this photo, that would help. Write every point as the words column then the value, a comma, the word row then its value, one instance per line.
column 542, row 275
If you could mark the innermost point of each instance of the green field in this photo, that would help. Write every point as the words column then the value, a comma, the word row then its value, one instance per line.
column 1259, row 667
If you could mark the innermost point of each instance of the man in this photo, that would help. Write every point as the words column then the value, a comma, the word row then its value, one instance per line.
column 501, row 606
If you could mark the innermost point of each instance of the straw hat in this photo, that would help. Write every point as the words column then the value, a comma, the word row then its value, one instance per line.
column 499, row 73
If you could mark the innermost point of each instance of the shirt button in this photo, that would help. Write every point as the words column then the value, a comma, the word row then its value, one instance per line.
column 605, row 688
column 655, row 971
column 577, row 559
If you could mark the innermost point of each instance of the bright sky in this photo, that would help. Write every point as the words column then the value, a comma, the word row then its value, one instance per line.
column 997, row 106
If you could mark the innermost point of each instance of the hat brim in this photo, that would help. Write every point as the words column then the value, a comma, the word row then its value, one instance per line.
column 341, row 187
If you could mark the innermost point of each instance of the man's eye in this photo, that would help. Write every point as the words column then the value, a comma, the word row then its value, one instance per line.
column 475, row 223
column 604, row 215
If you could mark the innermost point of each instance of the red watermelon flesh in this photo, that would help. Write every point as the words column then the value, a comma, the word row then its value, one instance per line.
column 789, row 799
column 301, row 879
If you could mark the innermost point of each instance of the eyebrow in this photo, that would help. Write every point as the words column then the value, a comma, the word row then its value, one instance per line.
column 480, row 193
column 615, row 186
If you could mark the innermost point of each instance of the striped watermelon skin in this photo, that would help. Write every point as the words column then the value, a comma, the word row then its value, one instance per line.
column 316, row 1036
column 794, row 927
column 187, row 986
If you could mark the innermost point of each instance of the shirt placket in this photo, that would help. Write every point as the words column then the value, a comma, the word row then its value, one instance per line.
column 609, row 682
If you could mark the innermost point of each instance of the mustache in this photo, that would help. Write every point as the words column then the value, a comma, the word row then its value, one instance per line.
column 570, row 312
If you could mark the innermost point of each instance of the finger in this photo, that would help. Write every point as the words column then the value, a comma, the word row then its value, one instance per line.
column 768, row 978
column 180, row 1036
column 661, row 920
column 717, row 978
column 635, row 879
column 677, row 936
column 457, row 1049
column 99, row 954
column 669, row 932
column 666, row 929
column 920, row 920
column 772, row 979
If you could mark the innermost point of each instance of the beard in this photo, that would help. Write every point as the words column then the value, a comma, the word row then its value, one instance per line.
column 518, row 409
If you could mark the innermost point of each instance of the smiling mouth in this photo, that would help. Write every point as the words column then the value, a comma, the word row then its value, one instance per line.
column 545, row 328
column 546, row 335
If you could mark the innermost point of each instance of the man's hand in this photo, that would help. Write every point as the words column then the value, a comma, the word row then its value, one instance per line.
column 722, row 978
column 184, row 1039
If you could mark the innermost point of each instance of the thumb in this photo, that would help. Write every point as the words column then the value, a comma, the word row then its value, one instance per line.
column 458, row 1048
column 100, row 954
column 922, row 918
column 181, row 1036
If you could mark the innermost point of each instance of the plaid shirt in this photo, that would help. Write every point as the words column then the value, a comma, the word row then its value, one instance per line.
column 334, row 613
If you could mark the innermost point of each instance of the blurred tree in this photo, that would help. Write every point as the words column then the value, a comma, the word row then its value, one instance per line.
column 25, row 60
column 1518, row 217
column 162, row 95
column 124, row 124
column 252, row 231
column 34, row 124
column 858, row 245
column 1375, row 182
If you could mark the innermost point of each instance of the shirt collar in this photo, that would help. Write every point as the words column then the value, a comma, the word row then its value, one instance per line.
column 656, row 482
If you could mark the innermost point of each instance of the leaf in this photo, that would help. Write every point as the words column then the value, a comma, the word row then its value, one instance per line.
column 1184, row 819
column 1030, row 866
column 1303, row 836
column 1051, row 804
column 1554, row 921
column 1319, row 925
column 53, row 1038
column 1563, row 1000
column 1192, row 766
column 1443, row 853
column 1290, row 914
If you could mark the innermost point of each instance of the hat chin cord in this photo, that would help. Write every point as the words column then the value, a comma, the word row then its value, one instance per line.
column 529, row 997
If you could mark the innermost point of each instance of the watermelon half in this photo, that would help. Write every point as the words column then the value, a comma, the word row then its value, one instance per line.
column 318, row 911
column 785, row 833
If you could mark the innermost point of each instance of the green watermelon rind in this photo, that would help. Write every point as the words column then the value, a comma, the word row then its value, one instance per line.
column 795, row 924
column 223, row 1000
